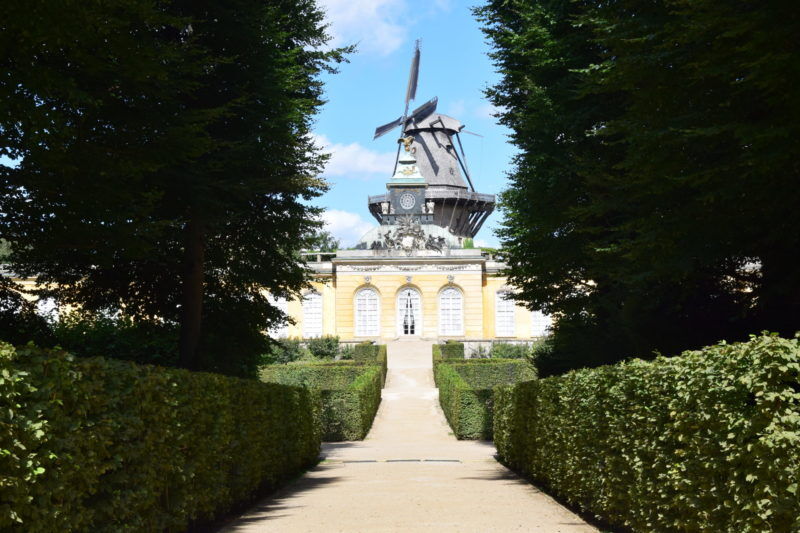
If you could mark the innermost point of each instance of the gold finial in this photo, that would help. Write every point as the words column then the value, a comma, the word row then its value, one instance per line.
column 407, row 141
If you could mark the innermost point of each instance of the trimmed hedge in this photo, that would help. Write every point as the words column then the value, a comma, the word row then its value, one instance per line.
column 707, row 441
column 365, row 351
column 350, row 392
column 106, row 445
column 466, row 391
column 447, row 350
column 452, row 350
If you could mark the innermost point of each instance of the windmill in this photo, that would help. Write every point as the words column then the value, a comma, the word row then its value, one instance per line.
column 448, row 194
column 418, row 114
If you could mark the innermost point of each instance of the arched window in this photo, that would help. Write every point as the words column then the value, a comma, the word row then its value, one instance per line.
column 540, row 324
column 312, row 315
column 504, row 314
column 367, row 313
column 279, row 331
column 451, row 312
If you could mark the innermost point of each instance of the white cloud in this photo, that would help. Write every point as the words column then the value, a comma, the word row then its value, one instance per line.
column 376, row 26
column 488, row 111
column 354, row 160
column 346, row 226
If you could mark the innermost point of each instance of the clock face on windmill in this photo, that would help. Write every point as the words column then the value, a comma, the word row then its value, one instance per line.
column 407, row 201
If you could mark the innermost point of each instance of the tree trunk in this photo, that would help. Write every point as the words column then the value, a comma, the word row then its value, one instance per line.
column 192, row 293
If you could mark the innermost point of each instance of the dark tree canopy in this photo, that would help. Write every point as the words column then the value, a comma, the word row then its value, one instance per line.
column 653, row 204
column 164, row 158
column 324, row 241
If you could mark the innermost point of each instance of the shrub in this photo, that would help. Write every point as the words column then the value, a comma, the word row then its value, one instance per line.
column 447, row 350
column 382, row 361
column 325, row 347
column 347, row 413
column 118, row 338
column 316, row 375
column 507, row 350
column 453, row 350
column 365, row 351
column 106, row 445
column 285, row 351
column 466, row 395
column 346, row 352
column 19, row 321
column 707, row 441
column 350, row 392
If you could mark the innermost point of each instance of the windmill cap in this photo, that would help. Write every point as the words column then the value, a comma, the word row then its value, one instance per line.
column 436, row 122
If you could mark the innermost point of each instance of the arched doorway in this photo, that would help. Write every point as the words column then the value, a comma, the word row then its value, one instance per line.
column 409, row 312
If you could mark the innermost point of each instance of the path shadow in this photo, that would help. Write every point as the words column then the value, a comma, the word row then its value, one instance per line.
column 277, row 504
column 507, row 473
column 494, row 474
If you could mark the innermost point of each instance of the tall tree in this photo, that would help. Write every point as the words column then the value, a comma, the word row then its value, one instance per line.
column 651, row 202
column 164, row 159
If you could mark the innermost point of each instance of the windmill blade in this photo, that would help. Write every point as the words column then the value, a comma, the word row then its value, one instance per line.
column 386, row 128
column 472, row 133
column 424, row 110
column 463, row 161
column 411, row 91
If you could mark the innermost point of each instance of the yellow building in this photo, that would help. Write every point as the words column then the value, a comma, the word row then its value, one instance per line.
column 412, row 276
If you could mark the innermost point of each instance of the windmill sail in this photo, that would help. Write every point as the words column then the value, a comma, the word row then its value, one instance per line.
column 411, row 91
column 418, row 114
column 386, row 128
column 424, row 110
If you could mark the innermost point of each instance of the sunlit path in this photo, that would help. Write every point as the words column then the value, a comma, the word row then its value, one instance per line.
column 409, row 474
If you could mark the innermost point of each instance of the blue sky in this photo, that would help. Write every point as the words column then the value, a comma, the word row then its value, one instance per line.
column 369, row 91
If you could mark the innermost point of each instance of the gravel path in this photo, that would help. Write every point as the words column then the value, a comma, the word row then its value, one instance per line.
column 409, row 475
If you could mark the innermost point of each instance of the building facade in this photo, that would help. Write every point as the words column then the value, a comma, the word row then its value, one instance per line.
column 416, row 275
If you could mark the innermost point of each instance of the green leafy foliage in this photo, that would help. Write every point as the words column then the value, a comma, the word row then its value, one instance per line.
column 350, row 392
column 706, row 441
column 324, row 241
column 365, row 351
column 452, row 350
column 652, row 204
column 165, row 162
column 325, row 347
column 285, row 351
column 19, row 321
column 507, row 350
column 105, row 445
column 117, row 338
column 466, row 391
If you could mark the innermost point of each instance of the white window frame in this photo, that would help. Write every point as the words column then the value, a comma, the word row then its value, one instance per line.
column 367, row 325
column 451, row 317
column 279, row 331
column 504, row 314
column 540, row 324
column 312, row 314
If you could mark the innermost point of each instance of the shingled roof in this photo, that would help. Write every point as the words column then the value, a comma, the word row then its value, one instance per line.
column 436, row 152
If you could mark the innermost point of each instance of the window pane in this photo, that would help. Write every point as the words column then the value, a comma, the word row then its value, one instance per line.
column 504, row 315
column 451, row 312
column 540, row 324
column 279, row 331
column 312, row 315
column 367, row 312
